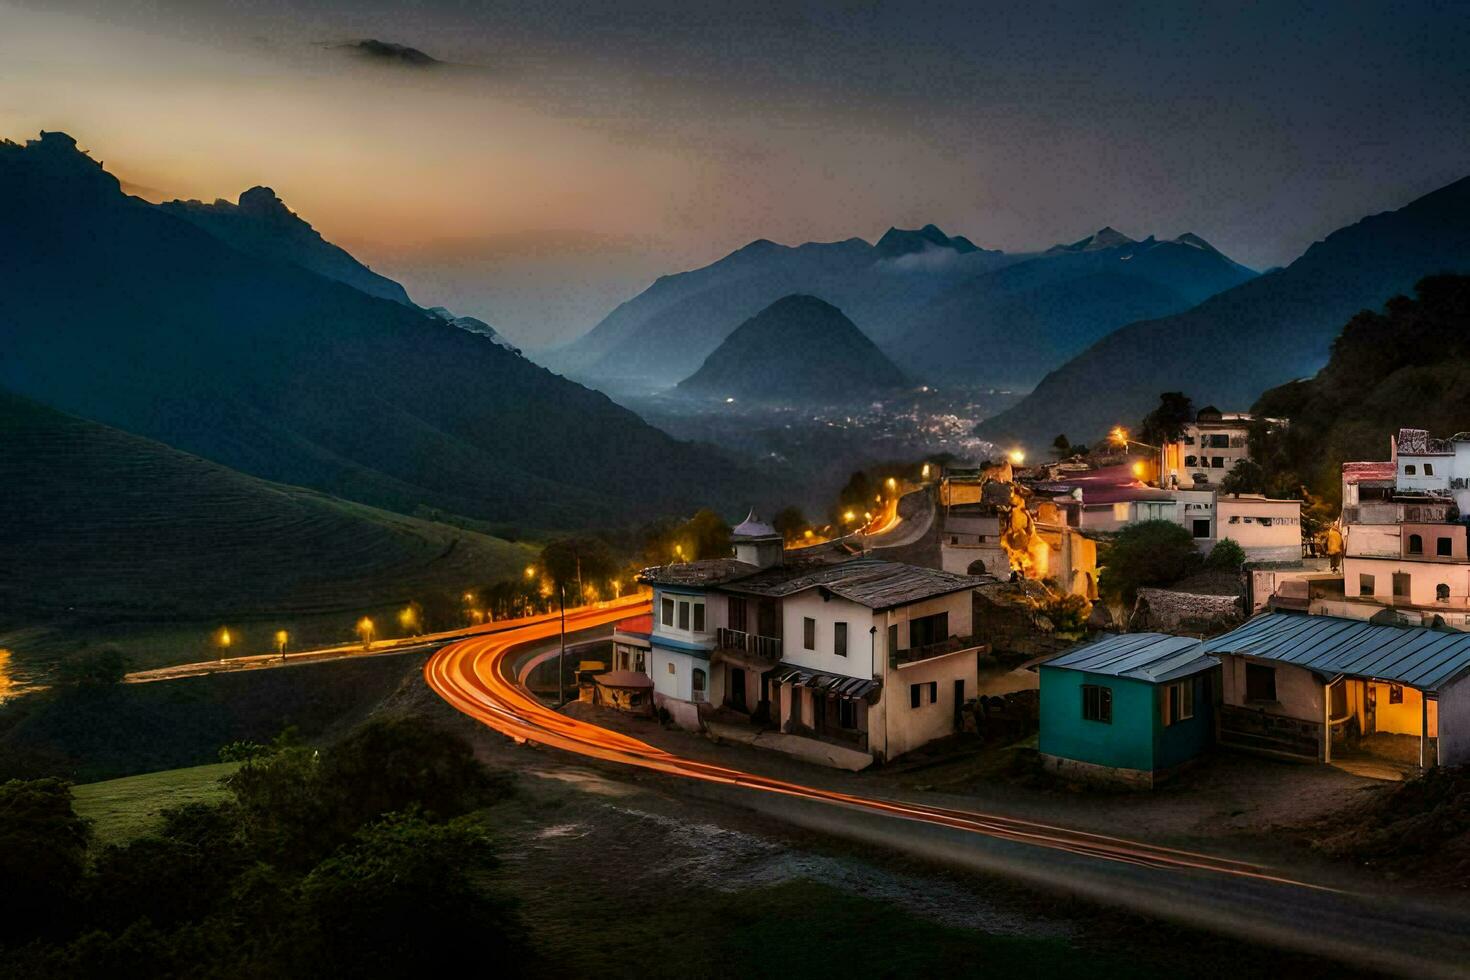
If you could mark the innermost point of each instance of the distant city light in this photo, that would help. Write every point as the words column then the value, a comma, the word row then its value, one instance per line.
column 730, row 401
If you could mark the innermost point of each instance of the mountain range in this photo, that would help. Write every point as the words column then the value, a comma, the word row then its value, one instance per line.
column 1264, row 332
column 138, row 317
column 798, row 350
column 939, row 306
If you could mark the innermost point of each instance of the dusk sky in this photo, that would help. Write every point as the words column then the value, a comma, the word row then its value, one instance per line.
column 563, row 155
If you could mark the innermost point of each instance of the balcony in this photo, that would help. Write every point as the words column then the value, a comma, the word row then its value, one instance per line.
column 930, row 650
column 752, row 645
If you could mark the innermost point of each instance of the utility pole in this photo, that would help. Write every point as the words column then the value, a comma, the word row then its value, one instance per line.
column 561, row 660
column 581, row 594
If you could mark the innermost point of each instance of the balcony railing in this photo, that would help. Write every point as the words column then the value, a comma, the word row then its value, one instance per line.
column 763, row 647
column 924, row 652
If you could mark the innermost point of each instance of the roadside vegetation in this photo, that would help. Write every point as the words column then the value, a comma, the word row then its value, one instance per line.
column 368, row 858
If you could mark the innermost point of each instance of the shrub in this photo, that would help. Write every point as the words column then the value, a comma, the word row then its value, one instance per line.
column 1150, row 553
column 1227, row 555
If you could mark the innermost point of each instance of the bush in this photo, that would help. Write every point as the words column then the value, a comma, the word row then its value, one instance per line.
column 1227, row 555
column 43, row 852
column 101, row 667
column 1150, row 553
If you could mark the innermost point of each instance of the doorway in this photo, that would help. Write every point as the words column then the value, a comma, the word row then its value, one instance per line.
column 959, row 705
column 737, row 689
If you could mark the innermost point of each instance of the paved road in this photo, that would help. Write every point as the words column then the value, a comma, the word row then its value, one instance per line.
column 478, row 677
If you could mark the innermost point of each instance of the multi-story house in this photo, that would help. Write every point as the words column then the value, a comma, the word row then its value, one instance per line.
column 1209, row 447
column 868, row 654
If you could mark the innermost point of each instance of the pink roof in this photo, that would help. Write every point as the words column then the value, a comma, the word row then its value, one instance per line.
column 1376, row 469
column 638, row 625
column 1113, row 485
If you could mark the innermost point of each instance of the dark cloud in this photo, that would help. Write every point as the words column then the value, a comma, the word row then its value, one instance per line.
column 389, row 52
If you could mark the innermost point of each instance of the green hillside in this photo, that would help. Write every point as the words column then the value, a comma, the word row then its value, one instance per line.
column 1407, row 366
column 106, row 526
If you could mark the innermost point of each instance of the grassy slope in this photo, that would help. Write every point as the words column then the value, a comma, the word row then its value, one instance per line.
column 109, row 527
column 122, row 809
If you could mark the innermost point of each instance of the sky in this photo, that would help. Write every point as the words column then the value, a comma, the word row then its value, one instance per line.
column 554, row 156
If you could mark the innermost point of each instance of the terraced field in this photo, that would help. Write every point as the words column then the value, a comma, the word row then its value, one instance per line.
column 103, row 526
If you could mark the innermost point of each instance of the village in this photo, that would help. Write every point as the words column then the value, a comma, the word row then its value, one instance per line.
column 976, row 611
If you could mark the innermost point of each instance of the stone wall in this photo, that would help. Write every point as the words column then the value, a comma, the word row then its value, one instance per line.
column 1167, row 611
column 1253, row 729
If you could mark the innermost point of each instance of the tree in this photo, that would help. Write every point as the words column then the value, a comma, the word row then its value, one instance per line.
column 99, row 668
column 1150, row 553
column 705, row 535
column 1166, row 423
column 1227, row 555
column 1060, row 447
column 572, row 560
column 791, row 522
column 43, row 852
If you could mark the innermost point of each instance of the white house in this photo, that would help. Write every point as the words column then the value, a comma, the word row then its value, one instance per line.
column 1208, row 448
column 867, row 654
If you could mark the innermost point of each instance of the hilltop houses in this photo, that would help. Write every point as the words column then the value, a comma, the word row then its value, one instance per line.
column 867, row 655
column 1208, row 448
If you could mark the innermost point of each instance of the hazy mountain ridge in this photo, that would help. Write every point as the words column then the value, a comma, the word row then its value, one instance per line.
column 799, row 349
column 261, row 225
column 1012, row 325
column 663, row 334
column 1262, row 333
column 125, row 313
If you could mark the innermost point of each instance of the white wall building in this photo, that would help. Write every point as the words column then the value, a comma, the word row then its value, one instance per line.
column 1209, row 447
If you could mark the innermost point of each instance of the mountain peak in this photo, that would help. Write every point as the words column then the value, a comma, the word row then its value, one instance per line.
column 263, row 201
column 1191, row 239
column 901, row 241
column 53, row 163
column 1105, row 237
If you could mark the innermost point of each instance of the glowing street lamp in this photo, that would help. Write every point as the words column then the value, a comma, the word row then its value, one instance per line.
column 530, row 571
column 225, row 640
column 1138, row 469
column 1119, row 435
column 365, row 631
column 849, row 517
column 892, row 484
column 1016, row 456
column 408, row 618
column 924, row 473
column 282, row 637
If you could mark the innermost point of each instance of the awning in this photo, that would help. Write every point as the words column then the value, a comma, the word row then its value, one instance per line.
column 831, row 685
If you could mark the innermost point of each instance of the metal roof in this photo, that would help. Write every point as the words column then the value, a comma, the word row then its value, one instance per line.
column 1151, row 657
column 1422, row 658
column 832, row 685
column 870, row 582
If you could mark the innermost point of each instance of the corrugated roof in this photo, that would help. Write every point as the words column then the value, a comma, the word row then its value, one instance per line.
column 1151, row 657
column 832, row 685
column 1423, row 658
column 870, row 582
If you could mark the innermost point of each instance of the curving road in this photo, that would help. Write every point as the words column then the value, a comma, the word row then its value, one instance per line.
column 478, row 677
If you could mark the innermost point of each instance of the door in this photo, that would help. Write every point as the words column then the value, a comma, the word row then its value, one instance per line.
column 737, row 689
column 1400, row 585
column 959, row 705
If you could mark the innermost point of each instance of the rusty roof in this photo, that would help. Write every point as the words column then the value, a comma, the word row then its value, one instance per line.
column 705, row 573
column 1374, row 469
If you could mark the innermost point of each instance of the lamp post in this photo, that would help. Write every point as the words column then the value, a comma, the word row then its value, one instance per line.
column 281, row 637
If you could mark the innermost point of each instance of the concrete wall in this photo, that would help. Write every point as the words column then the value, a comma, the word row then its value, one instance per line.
column 861, row 659
column 901, row 727
column 1372, row 541
column 672, row 672
column 1298, row 691
column 1241, row 520
column 1454, row 723
column 1424, row 579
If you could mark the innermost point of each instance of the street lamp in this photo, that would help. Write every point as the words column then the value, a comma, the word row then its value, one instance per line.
column 224, row 639
column 365, row 630
column 1016, row 456
column 561, row 658
column 409, row 618
column 281, row 637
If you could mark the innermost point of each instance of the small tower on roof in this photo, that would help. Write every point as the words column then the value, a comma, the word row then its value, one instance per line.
column 756, row 542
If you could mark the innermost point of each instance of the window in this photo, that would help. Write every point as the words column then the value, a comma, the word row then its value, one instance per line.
column 1191, row 460
column 839, row 639
column 1260, row 682
column 683, row 615
column 1409, row 470
column 1218, row 462
column 1395, row 694
column 1365, row 585
column 1177, row 701
column 1234, row 519
column 933, row 691
column 1428, row 469
column 699, row 617
column 666, row 607
column 1401, row 584
column 928, row 629
column 1219, row 442
column 697, row 685
column 1416, row 545
column 1441, row 593
column 1202, row 528
column 671, row 667
column 1443, row 548
column 846, row 713
column 1097, row 703
column 735, row 612
column 808, row 633
column 914, row 695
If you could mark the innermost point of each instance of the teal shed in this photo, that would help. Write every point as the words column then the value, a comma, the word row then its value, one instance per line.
column 1130, row 709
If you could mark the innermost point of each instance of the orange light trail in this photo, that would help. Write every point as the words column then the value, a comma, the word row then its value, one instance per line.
column 474, row 676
